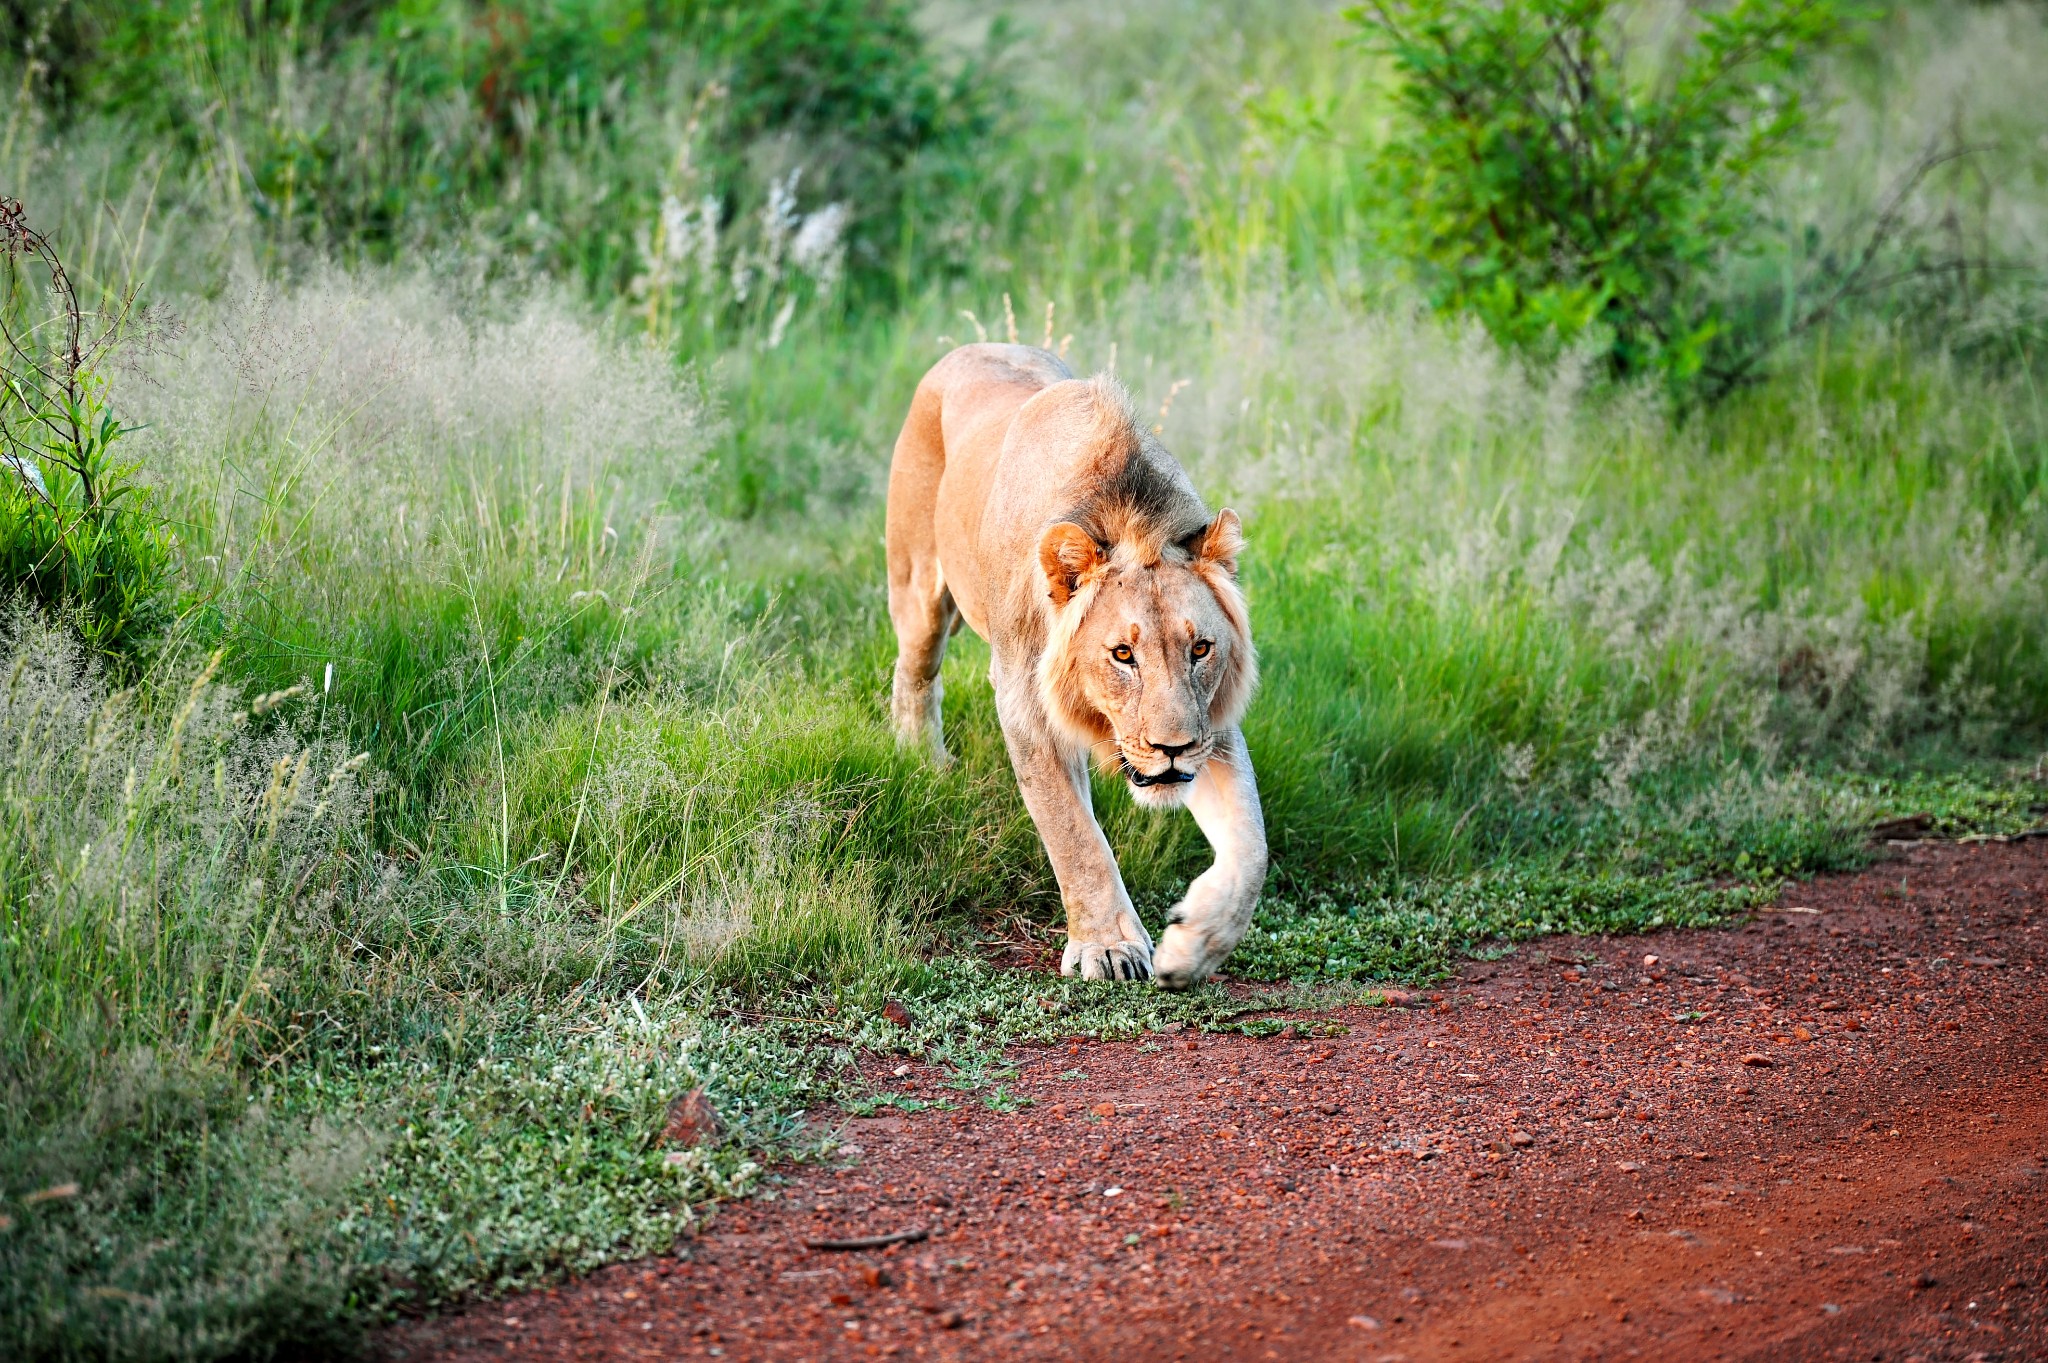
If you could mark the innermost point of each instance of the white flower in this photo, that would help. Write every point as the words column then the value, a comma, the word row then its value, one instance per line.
column 819, row 249
column 781, row 323
column 707, row 240
column 676, row 233
column 779, row 222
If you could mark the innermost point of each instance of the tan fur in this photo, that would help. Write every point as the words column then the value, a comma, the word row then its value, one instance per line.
column 1035, row 507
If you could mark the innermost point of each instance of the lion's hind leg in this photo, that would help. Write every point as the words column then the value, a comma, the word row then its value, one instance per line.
column 920, row 606
column 924, row 619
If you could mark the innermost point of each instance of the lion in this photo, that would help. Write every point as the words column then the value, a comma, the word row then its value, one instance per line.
column 1033, row 506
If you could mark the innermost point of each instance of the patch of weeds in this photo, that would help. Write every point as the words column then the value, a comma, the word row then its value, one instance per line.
column 537, row 1151
column 1316, row 1028
column 1002, row 1100
column 960, row 1007
column 1416, row 932
column 1961, row 803
column 868, row 1104
column 975, row 1069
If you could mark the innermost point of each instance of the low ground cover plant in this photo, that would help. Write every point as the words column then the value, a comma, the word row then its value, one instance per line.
column 508, row 757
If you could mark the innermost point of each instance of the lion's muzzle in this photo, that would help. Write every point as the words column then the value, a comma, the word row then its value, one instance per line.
column 1184, row 762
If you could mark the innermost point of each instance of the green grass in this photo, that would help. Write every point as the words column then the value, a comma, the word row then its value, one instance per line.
column 374, row 994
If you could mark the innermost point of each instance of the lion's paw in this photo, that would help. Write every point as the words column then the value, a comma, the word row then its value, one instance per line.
column 1126, row 960
column 1185, row 957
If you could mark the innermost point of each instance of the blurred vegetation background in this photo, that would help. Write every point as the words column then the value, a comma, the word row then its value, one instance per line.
column 440, row 470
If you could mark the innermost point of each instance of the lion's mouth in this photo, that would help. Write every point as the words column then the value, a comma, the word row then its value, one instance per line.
column 1172, row 776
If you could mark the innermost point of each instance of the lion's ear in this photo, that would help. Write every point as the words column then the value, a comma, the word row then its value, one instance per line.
column 1067, row 553
column 1221, row 543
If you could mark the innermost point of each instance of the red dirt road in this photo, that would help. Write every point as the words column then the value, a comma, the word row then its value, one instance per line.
column 1563, row 1155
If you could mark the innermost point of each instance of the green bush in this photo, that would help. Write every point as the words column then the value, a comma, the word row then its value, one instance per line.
column 1552, row 178
column 77, row 534
column 102, row 567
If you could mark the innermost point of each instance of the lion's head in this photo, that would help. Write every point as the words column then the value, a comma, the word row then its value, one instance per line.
column 1148, row 651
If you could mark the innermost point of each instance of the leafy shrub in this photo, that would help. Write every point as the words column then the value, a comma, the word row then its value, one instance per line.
column 76, row 531
column 1552, row 179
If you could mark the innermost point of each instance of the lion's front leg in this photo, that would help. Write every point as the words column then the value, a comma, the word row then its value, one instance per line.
column 1205, row 927
column 1105, row 939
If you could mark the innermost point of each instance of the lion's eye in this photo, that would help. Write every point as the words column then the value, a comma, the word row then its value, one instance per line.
column 1122, row 653
column 1202, row 647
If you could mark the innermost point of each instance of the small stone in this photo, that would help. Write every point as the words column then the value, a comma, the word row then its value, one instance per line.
column 1104, row 1109
column 1758, row 1060
column 1652, row 962
column 692, row 1120
column 1801, row 1034
column 896, row 1013
column 951, row 1320
column 1521, row 1140
column 1364, row 1323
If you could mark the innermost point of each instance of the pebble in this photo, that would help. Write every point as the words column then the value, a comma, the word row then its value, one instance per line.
column 1759, row 1060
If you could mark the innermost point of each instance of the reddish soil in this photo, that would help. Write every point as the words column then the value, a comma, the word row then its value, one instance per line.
column 1561, row 1155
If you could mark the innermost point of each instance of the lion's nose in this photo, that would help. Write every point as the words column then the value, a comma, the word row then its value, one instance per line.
column 1173, row 750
